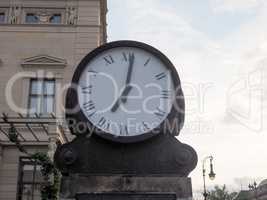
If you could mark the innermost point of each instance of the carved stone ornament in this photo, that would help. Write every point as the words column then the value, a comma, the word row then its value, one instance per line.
column 71, row 15
column 14, row 14
column 44, row 17
column 43, row 61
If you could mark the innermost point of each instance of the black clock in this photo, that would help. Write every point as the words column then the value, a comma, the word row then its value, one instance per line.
column 125, row 91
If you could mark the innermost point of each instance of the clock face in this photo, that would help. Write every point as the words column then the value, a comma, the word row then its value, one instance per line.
column 126, row 91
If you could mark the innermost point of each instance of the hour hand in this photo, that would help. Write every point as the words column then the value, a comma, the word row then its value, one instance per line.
column 125, row 95
column 121, row 98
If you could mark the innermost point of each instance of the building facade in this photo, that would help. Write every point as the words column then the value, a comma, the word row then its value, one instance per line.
column 41, row 43
column 257, row 193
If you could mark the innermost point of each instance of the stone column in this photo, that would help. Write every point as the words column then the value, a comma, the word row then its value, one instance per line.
column 53, row 137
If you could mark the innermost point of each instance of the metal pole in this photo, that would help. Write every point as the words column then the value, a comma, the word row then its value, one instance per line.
column 205, row 194
column 204, row 184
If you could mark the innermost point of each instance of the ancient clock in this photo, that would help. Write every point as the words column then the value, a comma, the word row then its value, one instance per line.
column 125, row 91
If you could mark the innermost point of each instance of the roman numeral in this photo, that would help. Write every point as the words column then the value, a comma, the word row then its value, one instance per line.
column 127, row 57
column 108, row 125
column 145, row 126
column 88, row 106
column 124, row 56
column 102, row 121
column 87, row 89
column 165, row 94
column 109, row 60
column 160, row 113
column 90, row 115
column 160, row 76
column 126, row 130
column 123, row 130
column 147, row 61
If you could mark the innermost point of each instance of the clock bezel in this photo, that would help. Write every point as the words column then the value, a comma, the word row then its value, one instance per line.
column 79, row 116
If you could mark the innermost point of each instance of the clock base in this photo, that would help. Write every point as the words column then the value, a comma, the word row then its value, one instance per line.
column 160, row 155
column 121, row 187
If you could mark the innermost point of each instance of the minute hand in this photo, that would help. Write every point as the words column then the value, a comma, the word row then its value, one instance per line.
column 129, row 76
column 130, row 69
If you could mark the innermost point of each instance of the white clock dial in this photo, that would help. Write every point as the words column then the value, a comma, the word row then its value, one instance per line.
column 126, row 91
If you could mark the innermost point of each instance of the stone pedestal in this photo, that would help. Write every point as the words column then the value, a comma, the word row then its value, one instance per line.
column 163, row 154
column 155, row 169
column 121, row 187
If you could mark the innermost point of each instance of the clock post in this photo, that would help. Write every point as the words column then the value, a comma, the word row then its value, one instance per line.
column 111, row 159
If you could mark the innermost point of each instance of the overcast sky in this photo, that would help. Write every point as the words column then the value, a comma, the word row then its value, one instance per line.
column 219, row 48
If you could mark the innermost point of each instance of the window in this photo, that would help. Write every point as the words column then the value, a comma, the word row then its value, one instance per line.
column 42, row 96
column 47, row 16
column 31, row 18
column 55, row 19
column 30, row 180
column 2, row 17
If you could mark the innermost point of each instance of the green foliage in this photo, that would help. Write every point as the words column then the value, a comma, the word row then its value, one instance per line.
column 51, row 175
column 49, row 189
column 221, row 193
column 13, row 137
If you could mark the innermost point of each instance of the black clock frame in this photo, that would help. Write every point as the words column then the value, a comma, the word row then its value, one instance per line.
column 72, row 98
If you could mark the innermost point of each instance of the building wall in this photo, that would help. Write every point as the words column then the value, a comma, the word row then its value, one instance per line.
column 72, row 43
column 10, row 168
column 62, row 41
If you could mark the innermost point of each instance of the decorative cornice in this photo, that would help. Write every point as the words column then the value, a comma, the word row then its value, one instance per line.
column 43, row 60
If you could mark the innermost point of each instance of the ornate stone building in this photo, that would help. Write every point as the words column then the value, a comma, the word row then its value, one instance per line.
column 41, row 42
column 258, row 193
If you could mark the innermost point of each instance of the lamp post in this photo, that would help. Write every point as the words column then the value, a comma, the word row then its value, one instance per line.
column 253, row 187
column 211, row 174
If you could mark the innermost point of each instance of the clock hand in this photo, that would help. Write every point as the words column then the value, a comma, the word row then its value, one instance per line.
column 130, row 69
column 123, row 96
column 129, row 75
column 125, row 92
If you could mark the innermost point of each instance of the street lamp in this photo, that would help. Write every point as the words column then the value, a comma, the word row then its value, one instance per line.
column 253, row 187
column 211, row 174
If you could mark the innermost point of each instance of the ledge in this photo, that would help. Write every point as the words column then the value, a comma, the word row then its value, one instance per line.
column 88, row 184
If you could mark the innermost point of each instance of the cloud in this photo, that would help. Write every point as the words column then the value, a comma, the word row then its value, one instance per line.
column 199, row 59
column 161, row 26
column 235, row 5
